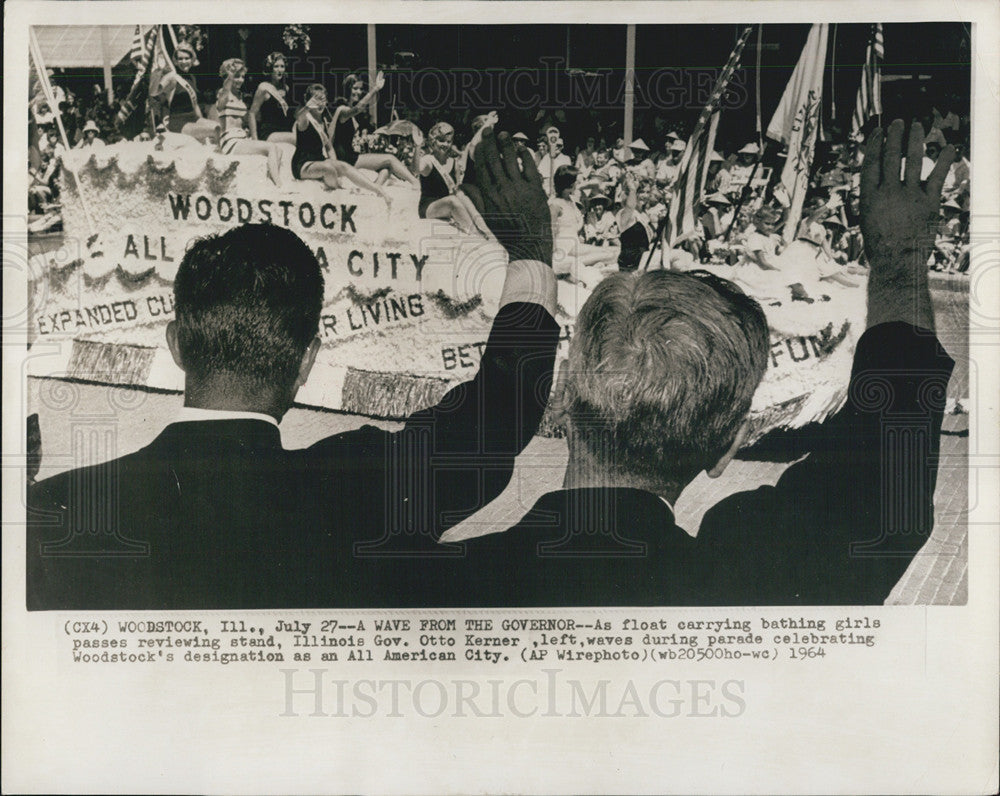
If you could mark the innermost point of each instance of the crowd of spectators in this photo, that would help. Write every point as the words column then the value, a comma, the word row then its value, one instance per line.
column 619, row 192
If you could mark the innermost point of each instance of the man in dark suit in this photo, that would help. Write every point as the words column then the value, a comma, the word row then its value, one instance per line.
column 214, row 513
column 661, row 373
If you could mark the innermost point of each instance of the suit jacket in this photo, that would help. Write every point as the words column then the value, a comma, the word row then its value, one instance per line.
column 840, row 527
column 216, row 514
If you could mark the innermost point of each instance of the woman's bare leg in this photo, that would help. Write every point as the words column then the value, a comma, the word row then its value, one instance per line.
column 478, row 222
column 359, row 179
column 270, row 151
column 376, row 161
column 281, row 138
column 840, row 280
column 449, row 209
column 203, row 130
column 325, row 172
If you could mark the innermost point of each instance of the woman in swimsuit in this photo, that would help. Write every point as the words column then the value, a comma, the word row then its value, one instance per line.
column 570, row 252
column 315, row 158
column 440, row 197
column 234, row 139
column 179, row 91
column 636, row 232
column 270, row 118
column 345, row 127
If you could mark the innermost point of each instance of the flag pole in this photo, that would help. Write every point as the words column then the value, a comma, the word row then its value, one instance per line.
column 43, row 78
column 747, row 190
column 760, row 47
column 629, row 83
column 372, row 73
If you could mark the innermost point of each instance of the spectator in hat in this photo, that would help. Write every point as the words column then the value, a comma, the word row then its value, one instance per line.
column 90, row 139
column 718, row 178
column 521, row 142
column 846, row 246
column 666, row 174
column 601, row 228
column 716, row 215
column 746, row 158
column 644, row 166
column 550, row 162
column 948, row 242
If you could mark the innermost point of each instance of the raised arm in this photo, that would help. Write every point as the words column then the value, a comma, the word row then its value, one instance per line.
column 898, row 221
column 349, row 111
column 417, row 158
column 468, row 441
column 842, row 526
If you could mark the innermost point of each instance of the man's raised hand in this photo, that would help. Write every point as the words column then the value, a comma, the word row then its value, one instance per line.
column 898, row 223
column 508, row 192
column 900, row 216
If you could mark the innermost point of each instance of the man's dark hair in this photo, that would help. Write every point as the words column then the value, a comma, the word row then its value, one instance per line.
column 662, row 370
column 247, row 305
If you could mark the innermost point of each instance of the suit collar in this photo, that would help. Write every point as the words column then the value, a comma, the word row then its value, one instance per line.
column 190, row 413
column 634, row 506
column 248, row 433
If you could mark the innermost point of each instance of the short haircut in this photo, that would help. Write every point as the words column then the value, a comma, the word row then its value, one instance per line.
column 662, row 369
column 247, row 305
column 565, row 177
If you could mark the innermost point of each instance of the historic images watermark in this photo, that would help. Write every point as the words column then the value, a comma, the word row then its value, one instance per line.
column 319, row 693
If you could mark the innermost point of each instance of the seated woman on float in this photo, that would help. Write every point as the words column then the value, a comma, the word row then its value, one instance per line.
column 234, row 138
column 570, row 252
column 345, row 127
column 178, row 99
column 440, row 194
column 315, row 158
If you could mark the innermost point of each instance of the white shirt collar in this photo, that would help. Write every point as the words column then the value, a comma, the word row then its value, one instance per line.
column 668, row 503
column 188, row 414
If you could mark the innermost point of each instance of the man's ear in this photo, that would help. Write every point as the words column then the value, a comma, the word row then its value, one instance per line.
column 727, row 457
column 175, row 350
column 308, row 360
column 559, row 402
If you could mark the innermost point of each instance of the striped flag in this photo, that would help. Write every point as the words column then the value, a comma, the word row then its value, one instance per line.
column 160, row 65
column 869, row 102
column 140, row 46
column 689, row 187
column 131, row 117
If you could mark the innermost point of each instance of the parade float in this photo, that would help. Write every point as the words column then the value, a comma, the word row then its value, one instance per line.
column 408, row 302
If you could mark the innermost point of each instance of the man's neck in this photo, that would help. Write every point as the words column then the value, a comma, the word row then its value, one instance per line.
column 583, row 473
column 222, row 394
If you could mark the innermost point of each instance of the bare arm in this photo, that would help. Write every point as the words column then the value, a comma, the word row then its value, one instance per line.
column 350, row 111
column 258, row 99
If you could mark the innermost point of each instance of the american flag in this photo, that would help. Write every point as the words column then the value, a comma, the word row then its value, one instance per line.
column 141, row 45
column 869, row 102
column 131, row 119
column 689, row 186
